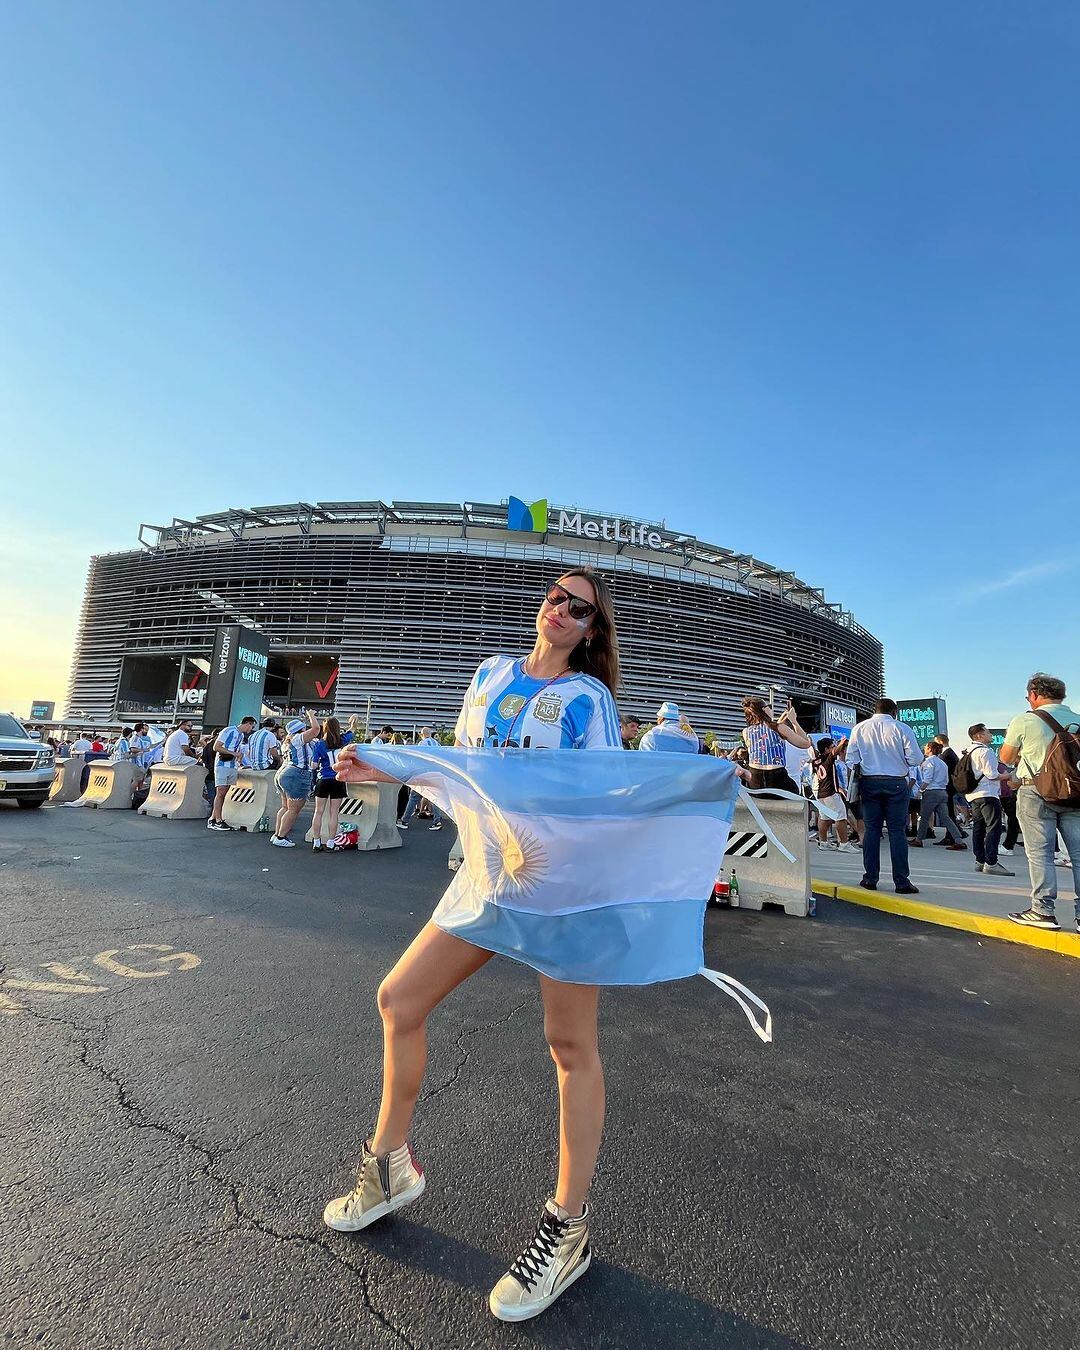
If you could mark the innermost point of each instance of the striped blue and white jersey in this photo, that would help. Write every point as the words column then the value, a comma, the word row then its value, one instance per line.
column 121, row 750
column 669, row 736
column 139, row 746
column 300, row 752
column 230, row 738
column 503, row 704
column 260, row 743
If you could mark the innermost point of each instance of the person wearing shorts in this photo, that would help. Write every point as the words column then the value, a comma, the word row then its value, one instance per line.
column 293, row 779
column 329, row 792
column 226, row 767
column 825, row 775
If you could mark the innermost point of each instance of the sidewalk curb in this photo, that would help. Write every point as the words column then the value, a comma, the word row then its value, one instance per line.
column 986, row 925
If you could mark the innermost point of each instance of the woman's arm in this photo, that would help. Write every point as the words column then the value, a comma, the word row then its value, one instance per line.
column 313, row 728
column 788, row 727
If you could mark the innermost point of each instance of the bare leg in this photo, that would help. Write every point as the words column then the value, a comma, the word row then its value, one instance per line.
column 316, row 824
column 570, row 1012
column 287, row 819
column 219, row 801
column 434, row 964
column 335, row 807
column 279, row 820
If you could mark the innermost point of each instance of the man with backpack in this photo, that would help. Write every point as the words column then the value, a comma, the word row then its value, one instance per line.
column 978, row 776
column 1044, row 747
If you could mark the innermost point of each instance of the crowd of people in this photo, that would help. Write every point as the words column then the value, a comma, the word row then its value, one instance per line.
column 877, row 782
column 302, row 752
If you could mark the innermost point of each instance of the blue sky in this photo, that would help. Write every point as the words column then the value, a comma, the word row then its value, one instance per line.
column 799, row 279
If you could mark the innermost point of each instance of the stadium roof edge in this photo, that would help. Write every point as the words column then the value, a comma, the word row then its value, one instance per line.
column 301, row 515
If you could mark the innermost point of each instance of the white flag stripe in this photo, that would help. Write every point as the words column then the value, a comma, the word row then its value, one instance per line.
column 531, row 863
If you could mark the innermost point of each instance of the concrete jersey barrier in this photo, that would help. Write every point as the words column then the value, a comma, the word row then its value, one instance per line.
column 110, row 786
column 765, row 876
column 251, row 802
column 372, row 809
column 176, row 793
column 67, row 777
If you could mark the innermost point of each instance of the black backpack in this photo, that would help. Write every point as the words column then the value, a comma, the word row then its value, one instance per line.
column 964, row 777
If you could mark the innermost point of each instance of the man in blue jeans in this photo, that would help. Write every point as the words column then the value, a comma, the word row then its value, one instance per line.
column 1027, row 741
column 884, row 750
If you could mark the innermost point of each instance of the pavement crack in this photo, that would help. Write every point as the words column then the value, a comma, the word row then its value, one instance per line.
column 466, row 1033
column 243, row 1218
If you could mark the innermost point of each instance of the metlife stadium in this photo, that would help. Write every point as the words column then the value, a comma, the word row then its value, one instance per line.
column 385, row 610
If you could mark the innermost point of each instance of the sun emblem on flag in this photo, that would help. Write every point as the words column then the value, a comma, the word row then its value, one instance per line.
column 515, row 860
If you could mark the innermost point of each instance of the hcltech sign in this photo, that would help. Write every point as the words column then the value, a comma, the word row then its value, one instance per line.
column 537, row 519
column 237, row 675
column 925, row 716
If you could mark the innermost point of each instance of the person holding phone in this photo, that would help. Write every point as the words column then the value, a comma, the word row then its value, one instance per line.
column 764, row 740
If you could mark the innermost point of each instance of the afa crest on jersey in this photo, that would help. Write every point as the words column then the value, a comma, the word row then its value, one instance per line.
column 548, row 708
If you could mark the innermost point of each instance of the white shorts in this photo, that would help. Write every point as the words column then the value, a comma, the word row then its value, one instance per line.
column 834, row 803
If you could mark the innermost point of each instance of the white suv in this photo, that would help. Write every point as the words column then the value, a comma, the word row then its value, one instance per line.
column 26, row 765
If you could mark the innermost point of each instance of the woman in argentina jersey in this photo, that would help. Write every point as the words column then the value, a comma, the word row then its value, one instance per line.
column 559, row 696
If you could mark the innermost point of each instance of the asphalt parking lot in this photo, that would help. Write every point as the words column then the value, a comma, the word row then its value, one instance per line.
column 192, row 1056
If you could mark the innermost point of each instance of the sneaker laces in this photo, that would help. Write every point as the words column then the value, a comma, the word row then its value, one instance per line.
column 535, row 1259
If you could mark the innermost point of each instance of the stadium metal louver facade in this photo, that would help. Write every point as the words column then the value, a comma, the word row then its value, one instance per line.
column 396, row 603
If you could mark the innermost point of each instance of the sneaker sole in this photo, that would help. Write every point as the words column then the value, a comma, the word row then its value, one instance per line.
column 531, row 1310
column 379, row 1212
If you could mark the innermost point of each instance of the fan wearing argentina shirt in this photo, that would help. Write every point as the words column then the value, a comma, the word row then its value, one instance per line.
column 294, row 777
column 668, row 734
column 559, row 696
column 228, row 748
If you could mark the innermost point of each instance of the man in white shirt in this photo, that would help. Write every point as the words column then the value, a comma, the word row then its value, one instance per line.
column 884, row 750
column 178, row 748
column 426, row 738
column 985, row 803
column 82, row 746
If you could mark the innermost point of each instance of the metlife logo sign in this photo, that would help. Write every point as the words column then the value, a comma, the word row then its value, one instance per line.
column 535, row 518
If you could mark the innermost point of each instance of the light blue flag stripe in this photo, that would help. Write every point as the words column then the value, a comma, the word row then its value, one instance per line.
column 641, row 943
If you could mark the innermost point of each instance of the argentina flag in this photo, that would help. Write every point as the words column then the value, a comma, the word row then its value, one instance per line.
column 592, row 868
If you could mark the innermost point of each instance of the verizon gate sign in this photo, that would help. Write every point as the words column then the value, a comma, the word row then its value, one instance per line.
column 237, row 675
column 535, row 518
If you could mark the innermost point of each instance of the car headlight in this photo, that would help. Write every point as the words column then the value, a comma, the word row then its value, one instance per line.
column 45, row 757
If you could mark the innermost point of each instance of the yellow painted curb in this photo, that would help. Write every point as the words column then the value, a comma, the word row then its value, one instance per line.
column 986, row 925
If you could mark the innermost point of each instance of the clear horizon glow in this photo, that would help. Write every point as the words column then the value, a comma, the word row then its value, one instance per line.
column 801, row 281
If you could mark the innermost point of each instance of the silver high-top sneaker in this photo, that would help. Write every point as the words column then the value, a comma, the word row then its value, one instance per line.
column 553, row 1260
column 382, row 1185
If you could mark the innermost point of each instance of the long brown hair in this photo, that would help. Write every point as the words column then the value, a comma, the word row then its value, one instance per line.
column 755, row 711
column 331, row 734
column 598, row 655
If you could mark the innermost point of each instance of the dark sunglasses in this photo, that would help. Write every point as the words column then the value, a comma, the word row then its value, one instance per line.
column 575, row 607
